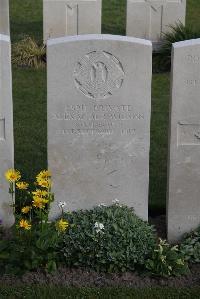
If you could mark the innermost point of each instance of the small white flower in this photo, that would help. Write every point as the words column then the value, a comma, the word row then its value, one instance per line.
column 115, row 201
column 61, row 204
column 99, row 227
column 96, row 224
column 102, row 205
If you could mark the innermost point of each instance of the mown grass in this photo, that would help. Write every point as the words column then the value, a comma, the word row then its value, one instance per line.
column 49, row 292
column 159, row 142
column 30, row 120
column 26, row 19
column 29, row 91
column 193, row 13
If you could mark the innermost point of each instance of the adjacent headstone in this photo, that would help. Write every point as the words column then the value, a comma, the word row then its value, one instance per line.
column 184, row 162
column 150, row 18
column 71, row 17
column 4, row 17
column 6, row 129
column 99, row 102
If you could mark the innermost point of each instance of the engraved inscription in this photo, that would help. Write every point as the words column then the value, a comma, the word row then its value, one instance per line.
column 98, row 75
column 193, row 82
column 81, row 119
column 193, row 58
column 188, row 134
column 193, row 218
column 84, row 132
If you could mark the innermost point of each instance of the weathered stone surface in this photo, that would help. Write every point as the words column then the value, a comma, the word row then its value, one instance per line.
column 4, row 17
column 184, row 162
column 71, row 17
column 99, row 101
column 150, row 18
column 6, row 128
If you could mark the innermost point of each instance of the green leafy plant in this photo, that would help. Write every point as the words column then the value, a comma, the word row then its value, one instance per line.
column 176, row 33
column 28, row 53
column 108, row 239
column 27, row 251
column 166, row 261
column 190, row 247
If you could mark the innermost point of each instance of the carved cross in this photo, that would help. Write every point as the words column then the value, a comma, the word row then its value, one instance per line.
column 72, row 16
column 157, row 8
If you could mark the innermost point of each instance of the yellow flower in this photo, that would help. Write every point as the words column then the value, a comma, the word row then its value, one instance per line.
column 26, row 209
column 43, row 179
column 12, row 175
column 45, row 183
column 24, row 224
column 40, row 193
column 43, row 175
column 22, row 185
column 39, row 202
column 62, row 225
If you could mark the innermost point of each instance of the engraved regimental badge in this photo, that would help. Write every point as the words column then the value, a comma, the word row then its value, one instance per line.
column 98, row 75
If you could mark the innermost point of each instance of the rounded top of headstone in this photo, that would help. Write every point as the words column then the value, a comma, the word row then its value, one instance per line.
column 186, row 43
column 88, row 37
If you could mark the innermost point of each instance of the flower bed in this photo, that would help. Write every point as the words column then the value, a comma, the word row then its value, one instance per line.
column 105, row 239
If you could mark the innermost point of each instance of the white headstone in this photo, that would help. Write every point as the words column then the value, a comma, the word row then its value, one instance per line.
column 71, row 17
column 4, row 17
column 150, row 18
column 6, row 129
column 99, row 102
column 184, row 162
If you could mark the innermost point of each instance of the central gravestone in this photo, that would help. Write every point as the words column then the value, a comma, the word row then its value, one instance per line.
column 99, row 102
column 71, row 17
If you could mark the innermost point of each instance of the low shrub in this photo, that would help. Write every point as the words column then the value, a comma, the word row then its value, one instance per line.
column 176, row 33
column 29, row 53
column 166, row 261
column 190, row 247
column 108, row 239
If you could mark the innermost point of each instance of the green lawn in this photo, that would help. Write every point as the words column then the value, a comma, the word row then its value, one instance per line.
column 29, row 90
column 26, row 19
column 30, row 120
column 96, row 293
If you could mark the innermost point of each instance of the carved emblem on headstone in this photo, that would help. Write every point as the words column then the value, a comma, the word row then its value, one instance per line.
column 98, row 75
